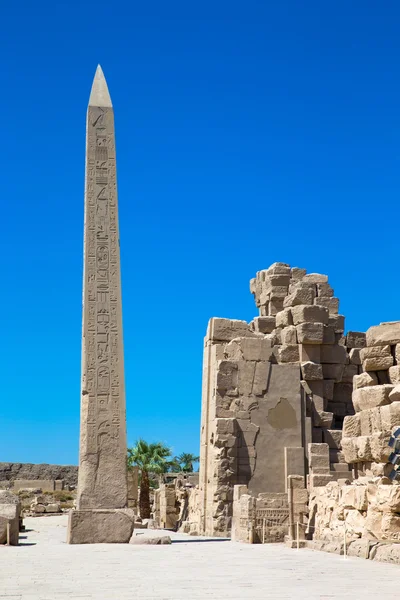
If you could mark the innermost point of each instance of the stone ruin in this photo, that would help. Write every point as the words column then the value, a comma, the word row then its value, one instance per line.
column 270, row 389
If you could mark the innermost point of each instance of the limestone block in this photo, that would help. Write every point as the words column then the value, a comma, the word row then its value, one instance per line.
column 333, row 371
column 324, row 289
column 349, row 448
column 342, row 392
column 288, row 354
column 277, row 280
column 225, row 330
column 258, row 349
column 385, row 333
column 318, row 449
column 370, row 397
column 225, row 426
column 275, row 305
column 277, row 292
column 279, row 268
column 332, row 354
column 387, row 498
column 332, row 304
column 390, row 526
column 329, row 335
column 310, row 314
column 370, row 420
column 351, row 426
column 310, row 333
column 365, row 380
column 52, row 508
column 300, row 296
column 375, row 352
column 394, row 375
column 311, row 371
column 394, row 395
column 319, row 479
column 337, row 321
column 355, row 522
column 390, row 416
column 377, row 363
column 354, row 496
column 380, row 450
column 329, row 385
column 159, row 540
column 354, row 356
column 323, row 418
column 111, row 526
column 310, row 352
column 260, row 380
column 373, row 524
column 298, row 274
column 355, row 339
column 349, row 372
column 315, row 278
column 263, row 324
column 333, row 438
column 284, row 318
column 289, row 335
column 319, row 463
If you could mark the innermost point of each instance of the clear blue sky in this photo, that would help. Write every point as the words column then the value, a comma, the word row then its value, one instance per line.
column 247, row 133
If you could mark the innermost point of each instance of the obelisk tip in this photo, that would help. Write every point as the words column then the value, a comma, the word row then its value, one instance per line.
column 99, row 96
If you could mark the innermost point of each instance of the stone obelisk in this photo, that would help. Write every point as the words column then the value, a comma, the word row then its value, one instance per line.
column 101, row 514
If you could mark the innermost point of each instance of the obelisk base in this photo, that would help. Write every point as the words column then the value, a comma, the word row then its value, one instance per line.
column 100, row 526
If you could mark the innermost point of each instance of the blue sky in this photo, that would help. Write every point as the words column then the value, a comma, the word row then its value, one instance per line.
column 247, row 133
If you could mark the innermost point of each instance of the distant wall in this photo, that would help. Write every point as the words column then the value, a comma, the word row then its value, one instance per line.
column 11, row 471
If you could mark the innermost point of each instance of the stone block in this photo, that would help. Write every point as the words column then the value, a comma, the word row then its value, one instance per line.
column 324, row 289
column 337, row 321
column 298, row 274
column 159, row 540
column 275, row 306
column 310, row 352
column 263, row 324
column 394, row 375
column 323, row 419
column 333, row 438
column 227, row 377
column 329, row 386
column 342, row 392
column 349, row 372
column 319, row 463
column 46, row 485
column 332, row 304
column 288, row 353
column 310, row 333
column 284, row 318
column 351, row 426
column 332, row 354
column 318, row 449
column 365, row 380
column 319, row 480
column 354, row 356
column 387, row 498
column 390, row 416
column 289, row 335
column 370, row 397
column 310, row 314
column 52, row 508
column 294, row 462
column 225, row 330
column 333, row 371
column 315, row 278
column 385, row 333
column 375, row 352
column 354, row 496
column 377, row 363
column 101, row 526
column 355, row 339
column 311, row 371
column 300, row 296
column 394, row 395
column 329, row 336
column 370, row 420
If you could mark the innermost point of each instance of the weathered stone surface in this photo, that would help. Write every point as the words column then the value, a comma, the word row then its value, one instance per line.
column 300, row 296
column 311, row 371
column 225, row 330
column 100, row 526
column 349, row 372
column 310, row 352
column 365, row 380
column 140, row 540
column 325, row 290
column 288, row 354
column 284, row 318
column 332, row 304
column 385, row 333
column 352, row 426
column 377, row 363
column 354, row 356
column 310, row 314
column 352, row 496
column 375, row 352
column 329, row 335
column 337, row 321
column 310, row 333
column 372, row 448
column 370, row 397
column 333, row 371
column 355, row 339
column 289, row 335
column 394, row 395
column 394, row 375
column 332, row 354
column 263, row 324
column 315, row 278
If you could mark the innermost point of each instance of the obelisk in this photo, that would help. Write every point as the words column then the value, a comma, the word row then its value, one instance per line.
column 101, row 514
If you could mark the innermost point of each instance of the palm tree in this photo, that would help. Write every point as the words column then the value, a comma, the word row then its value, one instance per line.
column 150, row 458
column 185, row 461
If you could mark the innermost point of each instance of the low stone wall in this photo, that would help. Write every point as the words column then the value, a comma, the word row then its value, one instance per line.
column 9, row 472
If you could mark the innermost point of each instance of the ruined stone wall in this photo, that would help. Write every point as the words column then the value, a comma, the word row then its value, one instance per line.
column 11, row 471
column 368, row 508
column 270, row 388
